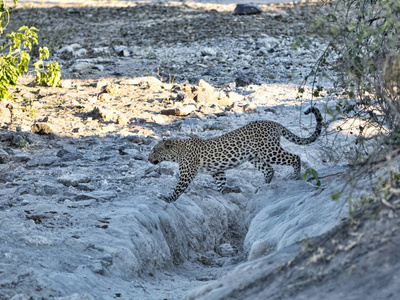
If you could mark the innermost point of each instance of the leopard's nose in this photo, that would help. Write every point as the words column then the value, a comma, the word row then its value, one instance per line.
column 153, row 160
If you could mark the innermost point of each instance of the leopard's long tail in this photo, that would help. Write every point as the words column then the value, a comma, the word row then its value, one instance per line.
column 312, row 138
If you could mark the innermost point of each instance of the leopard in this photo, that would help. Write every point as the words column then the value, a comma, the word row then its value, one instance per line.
column 258, row 142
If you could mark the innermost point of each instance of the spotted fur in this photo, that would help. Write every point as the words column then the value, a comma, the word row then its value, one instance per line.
column 257, row 142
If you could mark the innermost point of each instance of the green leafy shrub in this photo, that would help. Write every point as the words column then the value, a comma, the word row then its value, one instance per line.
column 365, row 49
column 47, row 74
column 15, row 57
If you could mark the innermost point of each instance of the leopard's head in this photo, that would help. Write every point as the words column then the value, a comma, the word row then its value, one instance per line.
column 165, row 150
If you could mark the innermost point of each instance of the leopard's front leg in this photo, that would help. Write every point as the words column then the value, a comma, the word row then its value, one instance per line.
column 187, row 174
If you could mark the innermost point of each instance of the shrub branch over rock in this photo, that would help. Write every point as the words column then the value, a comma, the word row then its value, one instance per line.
column 365, row 45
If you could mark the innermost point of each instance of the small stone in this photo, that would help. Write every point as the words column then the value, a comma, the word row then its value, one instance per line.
column 99, row 67
column 5, row 115
column 102, row 83
column 159, row 119
column 205, row 85
column 112, row 89
column 97, row 268
column 247, row 9
column 73, row 179
column 41, row 128
column 101, row 50
column 104, row 97
column 180, row 111
column 47, row 119
column 101, row 114
column 80, row 52
column 119, row 48
column 81, row 66
column 180, row 97
column 123, row 53
column 251, row 107
column 37, row 240
column 226, row 250
column 65, row 84
column 65, row 49
column 208, row 52
column 151, row 80
column 235, row 96
column 122, row 120
column 206, row 93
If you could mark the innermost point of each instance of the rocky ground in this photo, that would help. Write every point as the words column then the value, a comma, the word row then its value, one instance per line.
column 80, row 213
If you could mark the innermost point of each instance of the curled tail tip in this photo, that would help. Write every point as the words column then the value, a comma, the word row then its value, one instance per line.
column 311, row 109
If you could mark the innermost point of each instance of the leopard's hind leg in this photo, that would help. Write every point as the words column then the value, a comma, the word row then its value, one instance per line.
column 264, row 167
column 284, row 157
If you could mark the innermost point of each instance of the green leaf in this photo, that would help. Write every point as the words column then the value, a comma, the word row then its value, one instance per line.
column 314, row 176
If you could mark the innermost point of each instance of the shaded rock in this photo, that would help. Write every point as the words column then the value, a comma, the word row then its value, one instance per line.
column 140, row 140
column 4, row 157
column 41, row 128
column 23, row 158
column 41, row 161
column 126, row 150
column 243, row 79
column 247, row 9
column 18, row 141
column 179, row 111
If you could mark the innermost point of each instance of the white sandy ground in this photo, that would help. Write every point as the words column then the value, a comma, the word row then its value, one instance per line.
column 92, row 227
column 149, row 249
